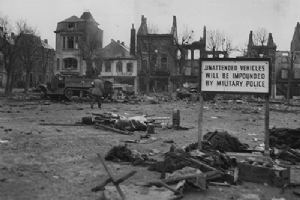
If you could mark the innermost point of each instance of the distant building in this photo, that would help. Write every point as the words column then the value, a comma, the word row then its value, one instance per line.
column 5, row 41
column 266, row 51
column 156, row 55
column 69, row 33
column 282, row 66
column 119, row 65
column 44, row 68
column 295, row 67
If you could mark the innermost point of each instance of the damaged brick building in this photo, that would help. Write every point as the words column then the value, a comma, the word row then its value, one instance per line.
column 267, row 51
column 163, row 63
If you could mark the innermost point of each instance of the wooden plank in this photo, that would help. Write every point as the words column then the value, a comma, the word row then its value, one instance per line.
column 267, row 120
column 200, row 122
column 62, row 124
column 113, row 129
column 112, row 178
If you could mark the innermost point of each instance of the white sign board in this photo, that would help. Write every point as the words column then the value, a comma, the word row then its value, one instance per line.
column 240, row 76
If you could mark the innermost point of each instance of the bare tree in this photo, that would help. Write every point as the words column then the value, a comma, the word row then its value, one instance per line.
column 9, row 52
column 219, row 41
column 260, row 36
column 29, row 49
column 89, row 45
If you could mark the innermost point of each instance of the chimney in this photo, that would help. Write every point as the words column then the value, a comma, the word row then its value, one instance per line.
column 132, row 41
column 250, row 42
column 143, row 30
column 46, row 41
column 118, row 41
column 270, row 42
column 174, row 28
column 204, row 36
column 123, row 43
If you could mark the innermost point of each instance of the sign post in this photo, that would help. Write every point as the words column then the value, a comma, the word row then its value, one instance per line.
column 235, row 76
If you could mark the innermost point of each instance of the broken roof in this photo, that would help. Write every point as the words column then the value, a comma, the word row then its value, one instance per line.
column 73, row 19
column 116, row 49
column 45, row 45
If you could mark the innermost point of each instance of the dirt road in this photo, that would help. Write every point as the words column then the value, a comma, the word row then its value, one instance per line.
column 60, row 162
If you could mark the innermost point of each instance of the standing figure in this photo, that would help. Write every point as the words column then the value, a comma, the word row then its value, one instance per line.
column 97, row 92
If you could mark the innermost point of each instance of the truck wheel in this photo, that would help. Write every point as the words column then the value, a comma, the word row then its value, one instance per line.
column 68, row 93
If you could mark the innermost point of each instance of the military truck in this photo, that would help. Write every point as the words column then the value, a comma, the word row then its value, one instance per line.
column 63, row 86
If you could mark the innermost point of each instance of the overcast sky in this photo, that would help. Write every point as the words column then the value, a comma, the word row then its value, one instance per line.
column 235, row 17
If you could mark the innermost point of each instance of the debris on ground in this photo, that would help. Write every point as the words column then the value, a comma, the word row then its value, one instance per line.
column 225, row 142
column 285, row 137
column 122, row 154
column 221, row 141
column 111, row 178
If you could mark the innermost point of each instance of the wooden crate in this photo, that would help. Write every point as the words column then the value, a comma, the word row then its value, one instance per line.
column 260, row 174
column 294, row 174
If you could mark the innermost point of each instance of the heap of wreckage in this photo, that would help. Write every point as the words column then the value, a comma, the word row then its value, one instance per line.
column 223, row 160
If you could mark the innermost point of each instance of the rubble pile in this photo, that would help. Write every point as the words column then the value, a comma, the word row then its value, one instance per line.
column 221, row 141
column 284, row 137
column 286, row 144
column 138, row 123
column 122, row 154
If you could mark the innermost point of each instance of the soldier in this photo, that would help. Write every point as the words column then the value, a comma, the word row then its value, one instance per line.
column 97, row 92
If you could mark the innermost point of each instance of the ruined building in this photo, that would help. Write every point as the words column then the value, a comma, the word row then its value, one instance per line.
column 156, row 54
column 266, row 51
column 295, row 62
column 71, row 44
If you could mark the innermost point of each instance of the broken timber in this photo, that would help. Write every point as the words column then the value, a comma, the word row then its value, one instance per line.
column 97, row 125
column 116, row 182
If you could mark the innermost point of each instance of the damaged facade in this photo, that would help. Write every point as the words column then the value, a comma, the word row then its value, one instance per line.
column 42, row 65
column 267, row 51
column 295, row 64
column 70, row 44
column 156, row 55
column 119, row 65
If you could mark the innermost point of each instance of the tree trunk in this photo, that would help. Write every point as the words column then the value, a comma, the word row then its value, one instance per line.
column 8, row 86
column 89, row 68
column 147, row 85
column 27, row 81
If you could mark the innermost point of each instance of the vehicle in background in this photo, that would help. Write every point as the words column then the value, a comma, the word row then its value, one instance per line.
column 63, row 86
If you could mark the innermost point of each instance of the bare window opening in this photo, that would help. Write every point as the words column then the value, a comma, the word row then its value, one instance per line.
column 107, row 66
column 71, row 25
column 57, row 63
column 76, row 42
column 196, row 54
column 164, row 61
column 284, row 74
column 119, row 66
column 144, row 64
column 70, row 41
column 64, row 42
column 129, row 67
column 189, row 54
column 70, row 63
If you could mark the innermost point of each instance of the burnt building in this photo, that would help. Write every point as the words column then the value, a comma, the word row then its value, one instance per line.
column 71, row 35
column 295, row 62
column 156, row 55
column 266, row 51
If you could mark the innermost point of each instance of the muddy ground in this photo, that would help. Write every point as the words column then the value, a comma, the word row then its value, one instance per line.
column 60, row 162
